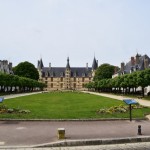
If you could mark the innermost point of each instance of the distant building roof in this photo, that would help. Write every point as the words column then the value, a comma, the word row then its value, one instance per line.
column 60, row 71
column 135, row 66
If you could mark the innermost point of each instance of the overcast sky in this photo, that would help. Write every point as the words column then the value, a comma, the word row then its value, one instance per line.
column 113, row 30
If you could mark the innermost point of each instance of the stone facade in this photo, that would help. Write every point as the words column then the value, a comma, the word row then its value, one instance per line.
column 6, row 67
column 66, row 78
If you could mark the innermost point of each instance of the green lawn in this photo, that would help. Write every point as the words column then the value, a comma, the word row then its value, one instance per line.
column 66, row 105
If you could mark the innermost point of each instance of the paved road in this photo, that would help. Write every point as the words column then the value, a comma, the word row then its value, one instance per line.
column 22, row 133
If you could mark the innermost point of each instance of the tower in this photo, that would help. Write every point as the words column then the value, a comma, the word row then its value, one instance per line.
column 67, row 83
column 39, row 67
column 94, row 66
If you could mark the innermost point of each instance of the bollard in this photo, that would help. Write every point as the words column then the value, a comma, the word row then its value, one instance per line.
column 61, row 133
column 139, row 130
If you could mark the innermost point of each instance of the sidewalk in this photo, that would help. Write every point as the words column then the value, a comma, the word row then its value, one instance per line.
column 140, row 101
column 19, row 95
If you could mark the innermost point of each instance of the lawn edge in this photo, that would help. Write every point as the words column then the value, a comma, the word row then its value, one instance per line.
column 104, row 119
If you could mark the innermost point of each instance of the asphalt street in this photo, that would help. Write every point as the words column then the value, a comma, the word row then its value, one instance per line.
column 23, row 133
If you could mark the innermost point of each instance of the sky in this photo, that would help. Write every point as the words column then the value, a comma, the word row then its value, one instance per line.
column 110, row 30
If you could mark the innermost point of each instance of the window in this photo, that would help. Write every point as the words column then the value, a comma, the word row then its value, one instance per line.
column 83, row 85
column 61, row 85
column 45, row 78
column 46, row 74
column 51, row 85
column 61, row 74
column 61, row 79
column 74, row 85
column 51, row 79
column 74, row 79
column 74, row 74
column 89, row 75
column 83, row 79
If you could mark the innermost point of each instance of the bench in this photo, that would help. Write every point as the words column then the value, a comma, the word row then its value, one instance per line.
column 1, row 99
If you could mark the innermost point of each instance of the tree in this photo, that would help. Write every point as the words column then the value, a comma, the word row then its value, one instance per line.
column 105, row 71
column 26, row 69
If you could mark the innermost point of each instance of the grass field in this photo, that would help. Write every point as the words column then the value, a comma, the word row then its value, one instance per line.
column 66, row 105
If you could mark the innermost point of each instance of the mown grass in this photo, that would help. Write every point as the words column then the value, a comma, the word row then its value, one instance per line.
column 67, row 105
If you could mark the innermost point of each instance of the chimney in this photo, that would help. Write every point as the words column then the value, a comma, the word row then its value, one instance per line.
column 10, row 66
column 132, row 61
column 146, row 63
column 50, row 65
column 87, row 66
column 122, row 66
column 137, row 58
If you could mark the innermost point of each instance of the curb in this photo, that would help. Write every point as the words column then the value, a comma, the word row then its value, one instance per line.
column 59, row 120
column 88, row 142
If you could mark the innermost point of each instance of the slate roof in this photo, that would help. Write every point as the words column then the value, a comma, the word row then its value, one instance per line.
column 140, row 66
column 94, row 65
column 40, row 64
column 60, row 71
column 68, row 65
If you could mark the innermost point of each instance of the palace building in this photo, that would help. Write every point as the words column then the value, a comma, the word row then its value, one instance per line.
column 66, row 78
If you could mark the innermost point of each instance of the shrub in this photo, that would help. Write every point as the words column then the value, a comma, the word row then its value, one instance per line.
column 118, row 109
column 4, row 109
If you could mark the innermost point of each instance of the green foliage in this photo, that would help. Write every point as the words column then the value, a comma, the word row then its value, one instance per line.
column 126, row 81
column 105, row 71
column 118, row 109
column 26, row 69
column 5, row 110
column 24, row 84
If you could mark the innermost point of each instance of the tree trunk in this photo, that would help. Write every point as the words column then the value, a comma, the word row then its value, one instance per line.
column 143, row 91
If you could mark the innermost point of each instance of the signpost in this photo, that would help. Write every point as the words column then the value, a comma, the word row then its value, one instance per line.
column 130, row 102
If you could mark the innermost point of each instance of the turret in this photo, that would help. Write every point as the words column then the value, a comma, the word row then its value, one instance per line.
column 137, row 60
column 68, row 65
column 95, row 64
column 67, row 84
column 40, row 64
